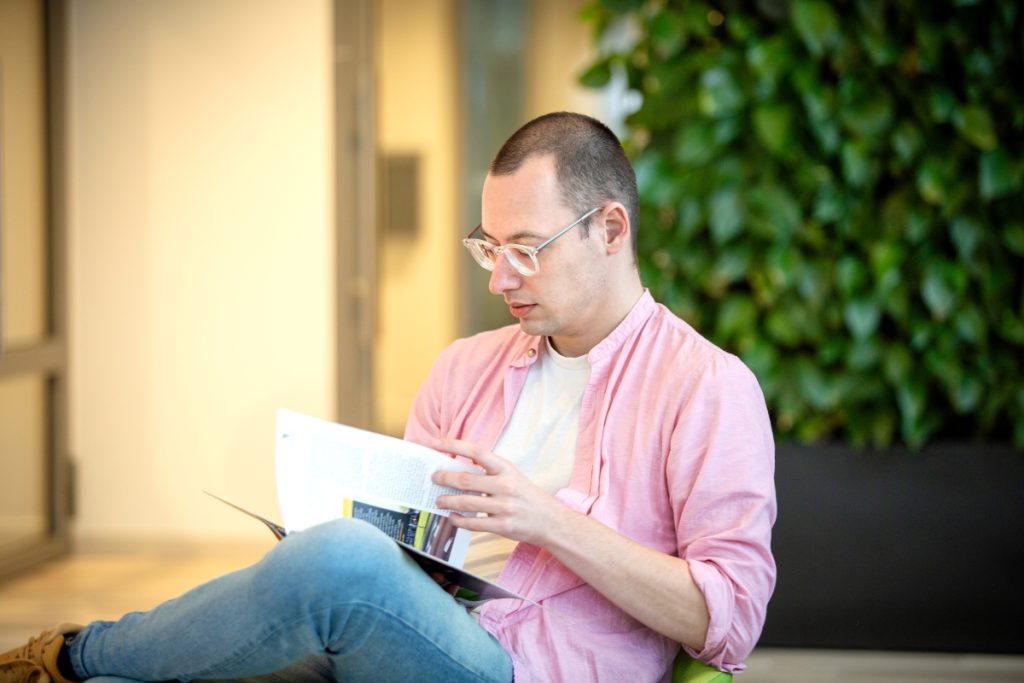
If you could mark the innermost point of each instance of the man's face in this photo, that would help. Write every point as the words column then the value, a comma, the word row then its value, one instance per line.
column 564, row 299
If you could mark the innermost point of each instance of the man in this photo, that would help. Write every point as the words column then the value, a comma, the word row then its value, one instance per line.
column 629, row 459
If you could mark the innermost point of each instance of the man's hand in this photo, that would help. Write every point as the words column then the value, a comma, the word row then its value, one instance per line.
column 514, row 506
column 655, row 588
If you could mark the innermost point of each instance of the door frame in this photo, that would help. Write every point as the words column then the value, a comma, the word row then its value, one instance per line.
column 49, row 356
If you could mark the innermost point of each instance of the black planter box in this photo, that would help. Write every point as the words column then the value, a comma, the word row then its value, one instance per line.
column 899, row 550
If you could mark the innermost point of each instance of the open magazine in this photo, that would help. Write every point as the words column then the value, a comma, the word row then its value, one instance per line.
column 326, row 470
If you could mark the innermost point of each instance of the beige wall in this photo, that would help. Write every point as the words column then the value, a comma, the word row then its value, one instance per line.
column 417, row 115
column 201, row 242
column 558, row 49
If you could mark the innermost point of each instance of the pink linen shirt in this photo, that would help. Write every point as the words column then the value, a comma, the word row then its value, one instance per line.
column 674, row 451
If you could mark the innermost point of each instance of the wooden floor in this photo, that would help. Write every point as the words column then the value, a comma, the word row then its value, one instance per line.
column 109, row 579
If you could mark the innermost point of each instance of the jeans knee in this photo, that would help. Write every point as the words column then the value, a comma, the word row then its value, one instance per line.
column 320, row 560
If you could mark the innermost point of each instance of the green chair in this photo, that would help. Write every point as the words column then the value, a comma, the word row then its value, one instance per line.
column 689, row 670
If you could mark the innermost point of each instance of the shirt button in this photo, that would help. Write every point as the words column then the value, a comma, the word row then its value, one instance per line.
column 531, row 353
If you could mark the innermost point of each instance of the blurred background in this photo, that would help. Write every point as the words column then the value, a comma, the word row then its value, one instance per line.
column 215, row 208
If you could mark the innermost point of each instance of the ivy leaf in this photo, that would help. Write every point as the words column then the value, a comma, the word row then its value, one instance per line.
column 782, row 327
column 966, row 234
column 770, row 60
column 932, row 181
column 997, row 176
column 737, row 315
column 597, row 75
column 1013, row 238
column 862, row 317
column 857, row 162
column 668, row 33
column 906, row 141
column 939, row 289
column 970, row 324
column 725, row 214
column 975, row 124
column 773, row 125
column 942, row 104
column 815, row 385
column 817, row 24
column 777, row 211
column 719, row 95
column 696, row 143
column 869, row 115
column 897, row 364
column 851, row 275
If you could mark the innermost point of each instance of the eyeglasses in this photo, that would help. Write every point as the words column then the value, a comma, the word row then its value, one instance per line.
column 520, row 257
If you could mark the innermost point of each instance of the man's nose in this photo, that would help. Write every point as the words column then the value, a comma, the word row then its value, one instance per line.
column 504, row 277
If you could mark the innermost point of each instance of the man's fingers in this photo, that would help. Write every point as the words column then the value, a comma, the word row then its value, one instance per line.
column 470, row 504
column 465, row 481
column 467, row 449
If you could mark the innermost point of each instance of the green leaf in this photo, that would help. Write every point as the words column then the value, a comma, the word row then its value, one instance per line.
column 887, row 266
column 897, row 364
column 668, row 33
column 863, row 355
column 777, row 210
column 997, row 176
column 869, row 115
column 970, row 324
column 815, row 386
column 737, row 315
column 862, row 316
column 932, row 181
column 733, row 263
column 907, row 140
column 695, row 144
column 975, row 124
column 942, row 104
column 857, row 162
column 1013, row 238
column 939, row 290
column 816, row 23
column 769, row 59
column 829, row 204
column 773, row 125
column 966, row 233
column 851, row 276
column 719, row 94
column 782, row 327
column 725, row 214
column 881, row 48
column 597, row 75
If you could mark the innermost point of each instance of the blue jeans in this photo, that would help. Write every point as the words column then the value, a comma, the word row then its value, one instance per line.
column 336, row 602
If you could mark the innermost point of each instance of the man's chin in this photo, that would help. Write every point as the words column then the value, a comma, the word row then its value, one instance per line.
column 533, row 327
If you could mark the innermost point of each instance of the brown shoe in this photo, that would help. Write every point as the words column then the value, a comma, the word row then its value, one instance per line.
column 36, row 661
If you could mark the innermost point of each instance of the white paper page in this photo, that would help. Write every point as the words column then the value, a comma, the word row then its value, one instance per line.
column 320, row 463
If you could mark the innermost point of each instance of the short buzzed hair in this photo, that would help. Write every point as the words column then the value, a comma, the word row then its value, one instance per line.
column 590, row 164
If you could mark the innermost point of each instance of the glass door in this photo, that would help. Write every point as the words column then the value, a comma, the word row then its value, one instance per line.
column 34, row 476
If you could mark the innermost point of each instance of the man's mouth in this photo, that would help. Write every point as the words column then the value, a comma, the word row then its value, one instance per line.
column 520, row 310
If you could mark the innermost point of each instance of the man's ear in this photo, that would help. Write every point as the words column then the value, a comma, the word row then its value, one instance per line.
column 617, row 230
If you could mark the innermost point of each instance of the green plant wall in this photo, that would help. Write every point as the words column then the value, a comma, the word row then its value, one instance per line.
column 835, row 192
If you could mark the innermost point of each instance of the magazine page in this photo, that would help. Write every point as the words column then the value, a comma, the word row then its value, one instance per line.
column 326, row 470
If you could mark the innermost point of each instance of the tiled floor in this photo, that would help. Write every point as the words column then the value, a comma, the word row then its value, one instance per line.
column 107, row 580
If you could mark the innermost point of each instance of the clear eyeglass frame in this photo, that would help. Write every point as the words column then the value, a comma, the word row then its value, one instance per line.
column 521, row 257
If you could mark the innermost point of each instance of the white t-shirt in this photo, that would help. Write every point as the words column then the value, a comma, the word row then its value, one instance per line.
column 540, row 439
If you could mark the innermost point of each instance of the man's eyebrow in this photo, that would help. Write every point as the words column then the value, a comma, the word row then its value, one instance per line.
column 514, row 237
